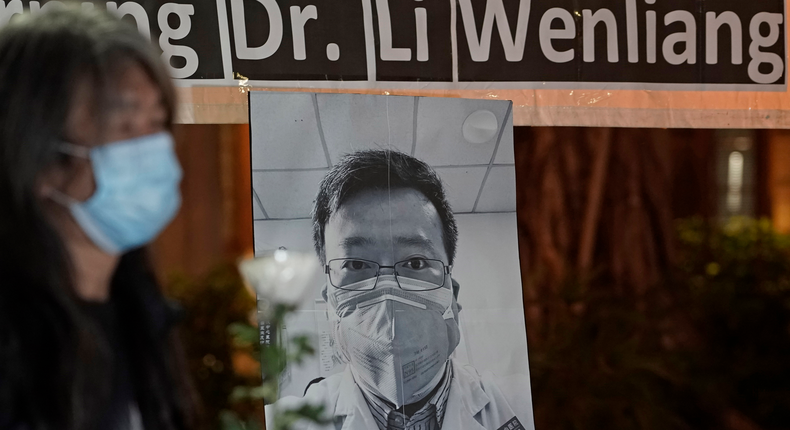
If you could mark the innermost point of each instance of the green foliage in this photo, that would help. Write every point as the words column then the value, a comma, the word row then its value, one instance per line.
column 220, row 324
column 212, row 303
column 601, row 365
column 734, row 284
column 229, row 420
column 273, row 361
column 710, row 341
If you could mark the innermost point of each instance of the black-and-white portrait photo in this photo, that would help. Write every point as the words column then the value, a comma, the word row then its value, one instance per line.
column 408, row 204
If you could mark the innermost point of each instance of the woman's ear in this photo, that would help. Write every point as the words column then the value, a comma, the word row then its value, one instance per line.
column 49, row 180
column 43, row 190
column 68, row 176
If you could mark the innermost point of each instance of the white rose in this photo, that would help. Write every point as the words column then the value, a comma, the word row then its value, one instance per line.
column 281, row 277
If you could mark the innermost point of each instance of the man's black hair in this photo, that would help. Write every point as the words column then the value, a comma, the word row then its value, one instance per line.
column 378, row 170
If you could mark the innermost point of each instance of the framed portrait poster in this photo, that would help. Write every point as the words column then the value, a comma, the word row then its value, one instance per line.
column 409, row 205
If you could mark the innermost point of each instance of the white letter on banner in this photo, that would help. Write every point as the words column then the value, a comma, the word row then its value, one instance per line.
column 184, row 26
column 479, row 47
column 135, row 11
column 421, row 20
column 243, row 51
column 14, row 7
column 388, row 53
column 688, row 37
column 632, row 30
column 650, row 17
column 298, row 19
column 774, row 20
column 590, row 21
column 547, row 34
column 712, row 26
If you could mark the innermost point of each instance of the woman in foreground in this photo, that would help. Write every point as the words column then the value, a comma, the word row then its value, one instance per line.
column 88, row 177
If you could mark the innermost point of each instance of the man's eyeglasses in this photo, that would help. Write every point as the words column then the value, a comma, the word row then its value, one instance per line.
column 347, row 273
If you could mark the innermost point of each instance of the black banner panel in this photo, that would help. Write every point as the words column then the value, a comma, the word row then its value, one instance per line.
column 729, row 45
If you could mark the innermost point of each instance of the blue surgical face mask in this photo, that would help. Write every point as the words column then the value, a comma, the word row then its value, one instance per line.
column 137, row 191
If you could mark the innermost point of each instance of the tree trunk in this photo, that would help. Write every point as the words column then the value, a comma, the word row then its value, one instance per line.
column 599, row 204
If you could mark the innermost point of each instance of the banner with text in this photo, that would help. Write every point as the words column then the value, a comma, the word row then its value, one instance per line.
column 621, row 44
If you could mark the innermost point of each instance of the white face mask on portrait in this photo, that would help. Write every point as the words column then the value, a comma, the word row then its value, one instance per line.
column 397, row 342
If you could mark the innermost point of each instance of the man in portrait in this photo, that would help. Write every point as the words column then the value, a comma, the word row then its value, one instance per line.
column 386, row 236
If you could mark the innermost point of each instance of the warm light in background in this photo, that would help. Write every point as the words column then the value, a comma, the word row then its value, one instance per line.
column 735, row 182
column 779, row 179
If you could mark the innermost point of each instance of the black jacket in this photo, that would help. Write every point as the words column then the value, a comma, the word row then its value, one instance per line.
column 37, row 350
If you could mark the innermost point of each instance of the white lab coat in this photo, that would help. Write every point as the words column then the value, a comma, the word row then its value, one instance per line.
column 474, row 403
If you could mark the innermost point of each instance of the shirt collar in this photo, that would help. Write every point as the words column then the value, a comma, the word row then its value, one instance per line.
column 462, row 389
column 467, row 391
column 381, row 409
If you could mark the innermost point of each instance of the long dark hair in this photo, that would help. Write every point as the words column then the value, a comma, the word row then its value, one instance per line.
column 51, row 353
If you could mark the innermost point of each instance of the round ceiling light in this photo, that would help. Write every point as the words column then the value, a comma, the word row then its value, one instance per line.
column 480, row 126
